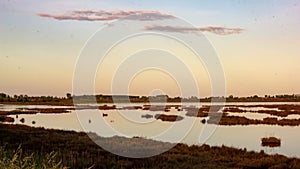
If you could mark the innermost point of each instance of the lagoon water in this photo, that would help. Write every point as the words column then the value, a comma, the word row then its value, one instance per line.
column 190, row 130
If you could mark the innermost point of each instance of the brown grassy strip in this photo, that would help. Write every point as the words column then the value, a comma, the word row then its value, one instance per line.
column 6, row 119
column 286, row 107
column 234, row 110
column 283, row 110
column 106, row 107
column 131, row 108
column 203, row 111
column 36, row 110
column 165, row 108
column 170, row 118
column 236, row 120
column 16, row 112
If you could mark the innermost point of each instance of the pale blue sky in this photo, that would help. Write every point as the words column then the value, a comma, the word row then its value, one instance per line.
column 38, row 54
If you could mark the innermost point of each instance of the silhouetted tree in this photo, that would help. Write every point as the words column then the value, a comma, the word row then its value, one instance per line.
column 69, row 96
column 2, row 95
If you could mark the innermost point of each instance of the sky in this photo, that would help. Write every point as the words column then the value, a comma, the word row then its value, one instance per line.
column 257, row 43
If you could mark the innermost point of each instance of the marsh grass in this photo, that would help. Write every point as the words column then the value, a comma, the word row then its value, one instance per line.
column 46, row 148
column 10, row 159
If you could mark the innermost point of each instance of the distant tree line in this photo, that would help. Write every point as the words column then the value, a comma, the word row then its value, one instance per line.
column 5, row 98
column 25, row 98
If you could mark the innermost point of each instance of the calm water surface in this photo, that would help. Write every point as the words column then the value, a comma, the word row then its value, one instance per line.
column 130, row 123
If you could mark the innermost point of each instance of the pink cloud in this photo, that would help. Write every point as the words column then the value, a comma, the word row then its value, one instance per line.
column 91, row 15
column 220, row 30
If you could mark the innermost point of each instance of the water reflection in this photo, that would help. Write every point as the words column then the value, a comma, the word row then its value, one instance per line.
column 237, row 136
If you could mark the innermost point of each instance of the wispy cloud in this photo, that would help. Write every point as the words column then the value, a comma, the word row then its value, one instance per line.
column 220, row 30
column 91, row 15
column 139, row 15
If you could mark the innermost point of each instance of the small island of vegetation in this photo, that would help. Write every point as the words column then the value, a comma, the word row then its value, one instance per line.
column 270, row 142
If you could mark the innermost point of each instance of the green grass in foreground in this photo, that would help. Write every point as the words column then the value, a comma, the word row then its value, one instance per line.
column 41, row 148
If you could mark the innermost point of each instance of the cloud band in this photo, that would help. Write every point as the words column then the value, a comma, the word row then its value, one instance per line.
column 91, row 15
column 219, row 30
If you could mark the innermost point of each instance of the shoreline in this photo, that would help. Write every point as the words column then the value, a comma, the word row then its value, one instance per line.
column 68, row 143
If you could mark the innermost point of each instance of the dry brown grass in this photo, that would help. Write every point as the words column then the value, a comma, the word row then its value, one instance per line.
column 10, row 159
column 76, row 150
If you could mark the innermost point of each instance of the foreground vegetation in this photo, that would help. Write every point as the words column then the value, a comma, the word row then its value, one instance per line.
column 76, row 150
column 17, row 159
